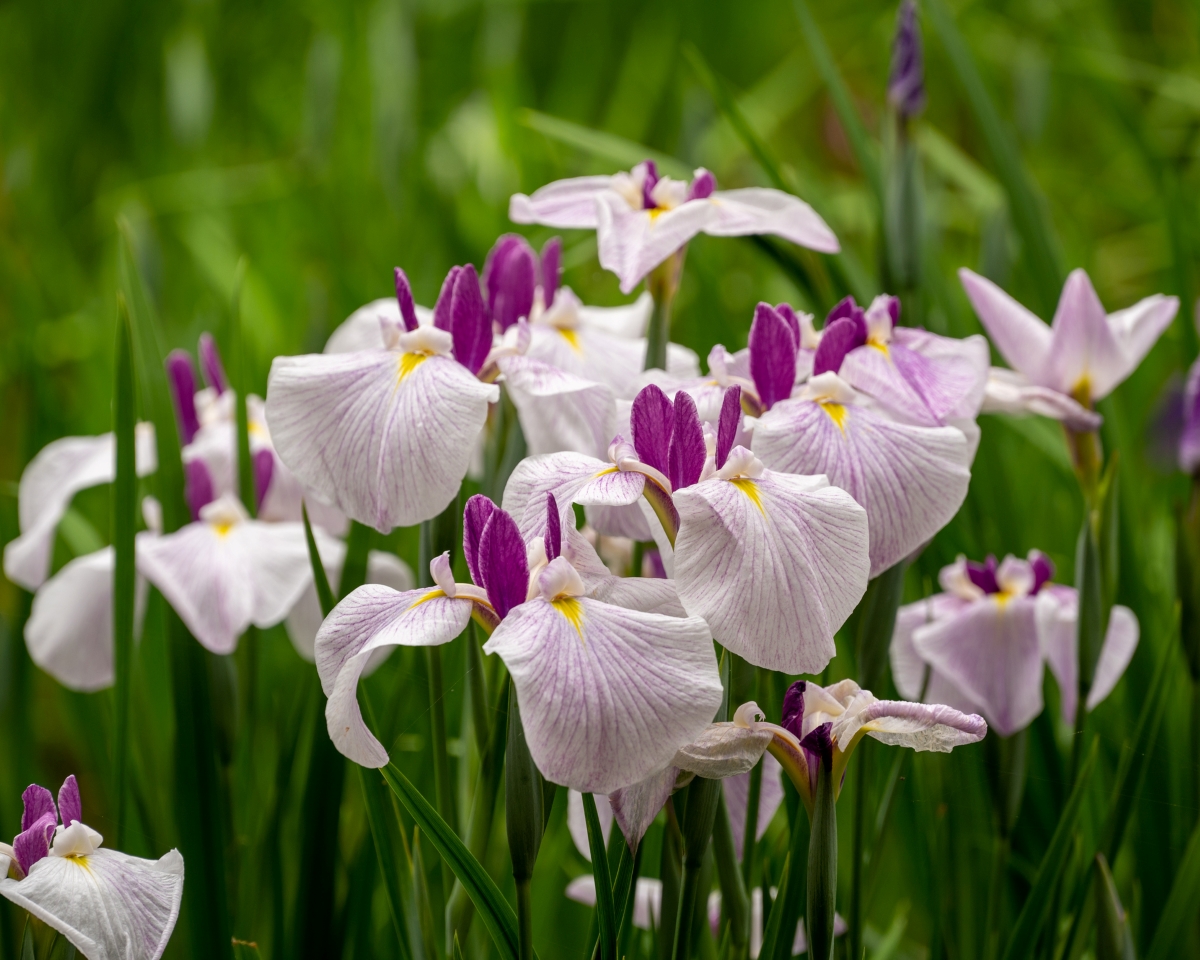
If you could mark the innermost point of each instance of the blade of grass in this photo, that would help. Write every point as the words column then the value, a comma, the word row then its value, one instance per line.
column 240, row 371
column 320, row 580
column 625, row 153
column 1183, row 902
column 606, row 911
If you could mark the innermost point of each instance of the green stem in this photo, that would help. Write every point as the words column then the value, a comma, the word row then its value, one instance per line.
column 750, row 831
column 822, row 868
column 859, row 852
column 663, row 284
column 735, row 904
column 672, row 848
column 523, row 818
column 605, row 907
column 524, row 920
column 991, row 947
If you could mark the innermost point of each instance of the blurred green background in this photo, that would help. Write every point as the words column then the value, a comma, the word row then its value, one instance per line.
column 327, row 143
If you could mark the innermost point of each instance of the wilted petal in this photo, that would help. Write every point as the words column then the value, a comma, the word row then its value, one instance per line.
column 723, row 750
column 774, row 565
column 577, row 822
column 607, row 695
column 636, row 806
column 634, row 242
column 386, row 437
column 558, row 410
column 565, row 203
column 911, row 480
column 761, row 210
column 919, row 726
column 110, row 906
column 371, row 618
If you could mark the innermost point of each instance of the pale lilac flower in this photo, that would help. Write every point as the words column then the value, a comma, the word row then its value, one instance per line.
column 108, row 905
column 775, row 563
column 981, row 644
column 647, row 898
column 607, row 692
column 641, row 218
column 1061, row 370
column 908, row 473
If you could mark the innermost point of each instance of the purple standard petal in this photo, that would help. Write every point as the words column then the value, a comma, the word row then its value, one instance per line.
column 983, row 575
column 792, row 715
column 727, row 425
column 651, row 421
column 552, row 538
column 849, row 308
column 404, row 297
column 772, row 355
column 38, row 802
column 840, row 337
column 818, row 751
column 33, row 844
column 510, row 275
column 789, row 315
column 210, row 364
column 441, row 309
column 197, row 486
column 503, row 563
column 648, row 185
column 688, row 451
column 551, row 267
column 469, row 323
column 1043, row 570
column 70, row 804
column 703, row 185
column 264, row 469
column 182, row 378
column 478, row 512
column 906, row 79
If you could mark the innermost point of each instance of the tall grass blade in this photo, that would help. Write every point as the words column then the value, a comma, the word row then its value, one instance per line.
column 1183, row 903
column 606, row 911
column 241, row 374
column 320, row 580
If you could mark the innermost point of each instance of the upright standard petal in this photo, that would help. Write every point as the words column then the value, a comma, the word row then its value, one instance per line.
column 1083, row 350
column 1136, row 329
column 385, row 436
column 634, row 242
column 558, row 410
column 911, row 480
column 775, row 565
column 752, row 210
column 607, row 695
column 1021, row 337
column 565, row 204
column 110, row 906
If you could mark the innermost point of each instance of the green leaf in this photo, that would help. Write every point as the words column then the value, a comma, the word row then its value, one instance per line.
column 771, row 935
column 373, row 801
column 735, row 904
column 494, row 910
column 320, row 580
column 1037, row 904
column 124, row 520
column 624, row 153
column 822, row 872
column 240, row 372
column 606, row 910
column 876, row 623
column 1114, row 940
column 354, row 567
column 1183, row 902
column 1029, row 215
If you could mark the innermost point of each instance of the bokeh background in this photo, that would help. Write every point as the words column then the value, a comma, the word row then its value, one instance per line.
column 328, row 142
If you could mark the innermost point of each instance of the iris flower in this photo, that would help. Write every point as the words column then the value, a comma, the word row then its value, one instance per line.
column 774, row 562
column 607, row 691
column 982, row 644
column 1062, row 370
column 869, row 418
column 110, row 906
column 641, row 218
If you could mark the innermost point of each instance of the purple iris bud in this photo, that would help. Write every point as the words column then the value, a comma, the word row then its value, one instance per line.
column 210, row 364
column 651, row 421
column 405, row 298
column 818, row 745
column 552, row 539
column 983, row 575
column 688, row 451
column 893, row 309
column 509, row 276
column 551, row 268
column 70, row 804
column 264, row 469
column 652, row 564
column 469, row 323
column 702, row 186
column 182, row 377
column 906, row 80
column 727, row 425
column 789, row 315
column 772, row 356
column 840, row 337
column 197, row 486
column 503, row 563
column 648, row 185
column 441, row 309
column 792, row 718
column 38, row 802
column 478, row 512
column 1043, row 570
column 1189, row 435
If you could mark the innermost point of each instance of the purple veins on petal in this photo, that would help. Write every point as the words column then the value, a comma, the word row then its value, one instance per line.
column 478, row 512
column 688, row 451
column 703, row 186
column 553, row 535
column 789, row 315
column 1043, row 570
column 405, row 298
column 38, row 802
column 840, row 337
column 264, row 469
column 469, row 323
column 33, row 844
column 510, row 276
column 70, row 804
column 772, row 355
column 727, row 425
column 792, row 717
column 849, row 308
column 551, row 267
column 983, row 575
column 648, row 185
column 441, row 309
column 182, row 378
column 503, row 563
column 210, row 364
column 652, row 421
column 197, row 486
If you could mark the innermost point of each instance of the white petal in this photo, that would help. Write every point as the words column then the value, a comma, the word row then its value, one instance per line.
column 911, row 480
column 723, row 750
column 634, row 242
column 908, row 669
column 1011, row 393
column 1120, row 642
column 562, row 474
column 558, row 410
column 775, row 565
column 110, row 906
column 564, row 203
column 386, row 447
column 1136, row 329
column 919, row 726
column 1022, row 338
column 647, row 898
column 577, row 822
column 629, row 321
column 762, row 210
column 648, row 594
column 371, row 618
column 636, row 806
column 607, row 695
column 362, row 330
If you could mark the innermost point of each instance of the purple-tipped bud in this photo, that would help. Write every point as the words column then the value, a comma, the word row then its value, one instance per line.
column 818, row 747
column 552, row 539
column 652, row 421
column 197, row 486
column 702, row 186
column 847, row 307
column 792, row 719
column 182, row 378
column 906, row 80
column 772, row 356
column 469, row 323
column 727, row 425
column 983, row 575
column 70, row 804
column 1043, row 570
column 264, row 469
column 688, row 451
column 789, row 315
column 551, row 268
column 441, row 309
column 503, row 563
column 405, row 298
column 839, row 338
column 38, row 802
column 648, row 185
column 510, row 276
column 210, row 364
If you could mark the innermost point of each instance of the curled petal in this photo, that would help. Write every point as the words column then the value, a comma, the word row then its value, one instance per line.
column 761, row 210
column 919, row 726
column 386, row 437
column 723, row 750
column 558, row 410
column 634, row 242
column 564, row 204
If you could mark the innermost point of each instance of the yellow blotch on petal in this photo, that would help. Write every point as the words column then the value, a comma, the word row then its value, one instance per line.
column 655, row 213
column 606, row 471
column 222, row 528
column 572, row 338
column 750, row 489
column 879, row 345
column 410, row 361
column 837, row 413
column 572, row 609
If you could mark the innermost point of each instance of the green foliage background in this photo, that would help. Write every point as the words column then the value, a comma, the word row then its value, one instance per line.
column 326, row 143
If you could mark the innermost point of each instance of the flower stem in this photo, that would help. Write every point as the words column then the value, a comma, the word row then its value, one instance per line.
column 862, row 782
column 523, row 819
column 663, row 284
column 822, row 868
column 734, row 902
column 524, row 920
column 672, row 845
